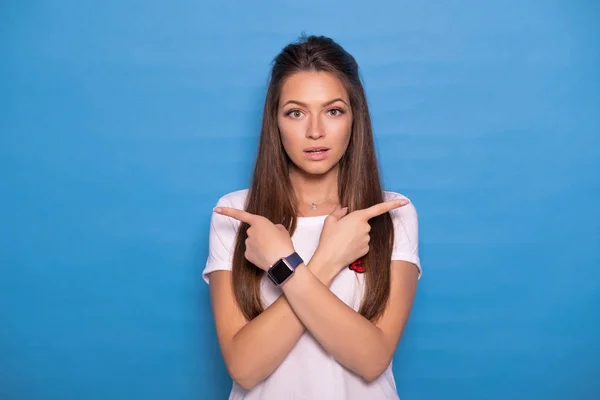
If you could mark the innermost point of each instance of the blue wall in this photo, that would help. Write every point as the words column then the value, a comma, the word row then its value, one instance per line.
column 122, row 123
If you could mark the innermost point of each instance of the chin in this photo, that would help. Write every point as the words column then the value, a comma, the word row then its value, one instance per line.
column 315, row 169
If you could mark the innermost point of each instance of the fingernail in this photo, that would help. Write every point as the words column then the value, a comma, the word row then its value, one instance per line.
column 217, row 209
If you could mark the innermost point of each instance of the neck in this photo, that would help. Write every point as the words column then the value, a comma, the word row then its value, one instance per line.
column 315, row 188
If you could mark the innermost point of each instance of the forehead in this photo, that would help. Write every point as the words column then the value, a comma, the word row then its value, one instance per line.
column 312, row 87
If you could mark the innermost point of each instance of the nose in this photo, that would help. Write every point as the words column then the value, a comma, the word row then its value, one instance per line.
column 315, row 128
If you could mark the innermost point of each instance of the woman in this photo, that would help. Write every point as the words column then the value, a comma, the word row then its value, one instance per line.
column 313, row 269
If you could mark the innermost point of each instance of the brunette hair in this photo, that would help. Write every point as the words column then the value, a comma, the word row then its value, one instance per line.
column 271, row 193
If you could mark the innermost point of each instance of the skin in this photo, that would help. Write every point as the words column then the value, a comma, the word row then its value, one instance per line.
column 252, row 350
column 314, row 110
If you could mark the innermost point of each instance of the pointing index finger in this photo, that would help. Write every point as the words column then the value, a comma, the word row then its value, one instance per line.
column 234, row 213
column 384, row 207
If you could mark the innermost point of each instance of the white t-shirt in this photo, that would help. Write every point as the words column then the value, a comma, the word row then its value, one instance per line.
column 309, row 372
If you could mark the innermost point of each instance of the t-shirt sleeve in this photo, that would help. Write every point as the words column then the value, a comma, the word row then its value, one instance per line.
column 221, row 242
column 406, row 235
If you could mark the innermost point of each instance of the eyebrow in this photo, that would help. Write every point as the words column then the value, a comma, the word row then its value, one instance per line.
column 323, row 105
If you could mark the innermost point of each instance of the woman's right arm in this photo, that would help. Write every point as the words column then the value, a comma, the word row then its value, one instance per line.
column 253, row 350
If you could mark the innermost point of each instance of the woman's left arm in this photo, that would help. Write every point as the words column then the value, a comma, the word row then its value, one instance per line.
column 360, row 345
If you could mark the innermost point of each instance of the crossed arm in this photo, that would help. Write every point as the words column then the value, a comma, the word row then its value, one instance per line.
column 252, row 350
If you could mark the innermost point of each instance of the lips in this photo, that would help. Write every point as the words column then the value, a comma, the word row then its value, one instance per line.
column 316, row 153
column 316, row 149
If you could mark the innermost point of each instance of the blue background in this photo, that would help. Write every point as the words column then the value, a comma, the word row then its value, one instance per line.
column 122, row 123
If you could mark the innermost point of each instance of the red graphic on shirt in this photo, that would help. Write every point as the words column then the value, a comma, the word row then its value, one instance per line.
column 357, row 266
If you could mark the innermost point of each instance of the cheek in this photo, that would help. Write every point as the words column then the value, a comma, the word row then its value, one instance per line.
column 289, row 138
column 340, row 133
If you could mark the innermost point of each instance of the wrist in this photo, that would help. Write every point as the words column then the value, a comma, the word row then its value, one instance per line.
column 281, row 254
column 322, row 268
column 299, row 274
column 284, row 268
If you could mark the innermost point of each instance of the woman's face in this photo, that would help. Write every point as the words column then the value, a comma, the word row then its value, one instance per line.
column 315, row 120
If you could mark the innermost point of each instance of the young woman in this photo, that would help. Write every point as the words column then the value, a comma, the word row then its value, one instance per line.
column 314, row 268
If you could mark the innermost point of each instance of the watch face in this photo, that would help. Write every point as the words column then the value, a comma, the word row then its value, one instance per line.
column 280, row 272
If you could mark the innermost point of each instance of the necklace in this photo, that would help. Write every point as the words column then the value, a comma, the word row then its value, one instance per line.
column 313, row 206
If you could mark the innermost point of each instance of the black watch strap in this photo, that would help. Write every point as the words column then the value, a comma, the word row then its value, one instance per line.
column 294, row 260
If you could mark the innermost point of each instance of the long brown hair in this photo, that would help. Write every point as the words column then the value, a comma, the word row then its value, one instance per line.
column 271, row 194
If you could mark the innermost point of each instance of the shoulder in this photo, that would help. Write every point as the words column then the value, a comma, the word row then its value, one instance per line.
column 389, row 195
column 235, row 199
column 405, row 213
column 225, row 228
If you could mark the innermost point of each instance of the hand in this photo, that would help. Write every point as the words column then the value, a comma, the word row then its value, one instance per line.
column 266, row 242
column 345, row 238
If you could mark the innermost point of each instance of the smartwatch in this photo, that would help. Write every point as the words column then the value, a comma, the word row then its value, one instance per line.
column 284, row 268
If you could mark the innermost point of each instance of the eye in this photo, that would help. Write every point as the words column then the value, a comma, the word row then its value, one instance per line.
column 336, row 112
column 294, row 113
